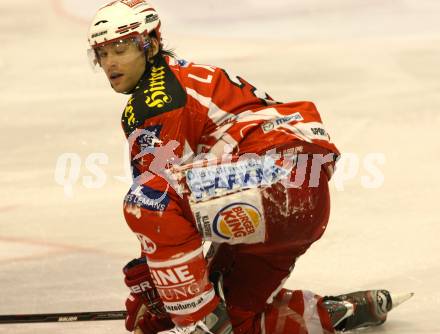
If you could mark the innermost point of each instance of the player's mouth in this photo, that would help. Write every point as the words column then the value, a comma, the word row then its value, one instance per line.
column 115, row 77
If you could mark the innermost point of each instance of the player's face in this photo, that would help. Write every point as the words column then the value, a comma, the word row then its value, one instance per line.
column 123, row 62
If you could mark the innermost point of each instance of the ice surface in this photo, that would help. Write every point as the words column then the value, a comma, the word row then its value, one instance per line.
column 372, row 68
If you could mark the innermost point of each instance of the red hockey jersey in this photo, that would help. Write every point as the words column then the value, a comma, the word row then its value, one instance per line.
column 202, row 108
column 177, row 111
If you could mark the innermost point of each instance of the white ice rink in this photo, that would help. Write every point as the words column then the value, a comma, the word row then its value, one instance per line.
column 371, row 66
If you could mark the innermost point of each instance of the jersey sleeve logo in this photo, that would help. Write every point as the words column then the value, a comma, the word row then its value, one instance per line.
column 147, row 198
column 279, row 121
column 148, row 246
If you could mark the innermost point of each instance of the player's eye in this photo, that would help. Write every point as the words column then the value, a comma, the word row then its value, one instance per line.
column 121, row 47
column 120, row 51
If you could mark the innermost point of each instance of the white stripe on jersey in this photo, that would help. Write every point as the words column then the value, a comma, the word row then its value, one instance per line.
column 199, row 79
column 263, row 114
column 216, row 114
column 221, row 130
column 229, row 139
column 188, row 154
column 279, row 288
column 291, row 129
column 311, row 315
column 263, row 323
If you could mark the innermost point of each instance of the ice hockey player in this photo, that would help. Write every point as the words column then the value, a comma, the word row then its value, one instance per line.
column 215, row 159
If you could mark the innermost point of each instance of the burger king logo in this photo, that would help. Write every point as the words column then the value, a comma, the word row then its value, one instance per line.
column 236, row 221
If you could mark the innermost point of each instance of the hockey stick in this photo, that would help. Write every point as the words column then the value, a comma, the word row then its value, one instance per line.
column 62, row 317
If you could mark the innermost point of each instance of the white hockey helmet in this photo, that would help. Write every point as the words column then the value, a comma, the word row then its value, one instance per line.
column 122, row 19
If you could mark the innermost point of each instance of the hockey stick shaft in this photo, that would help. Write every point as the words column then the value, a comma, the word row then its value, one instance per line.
column 62, row 317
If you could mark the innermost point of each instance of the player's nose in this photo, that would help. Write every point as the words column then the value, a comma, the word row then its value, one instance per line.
column 110, row 62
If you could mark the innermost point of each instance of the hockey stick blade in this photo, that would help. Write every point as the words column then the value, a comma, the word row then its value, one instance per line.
column 400, row 298
column 62, row 317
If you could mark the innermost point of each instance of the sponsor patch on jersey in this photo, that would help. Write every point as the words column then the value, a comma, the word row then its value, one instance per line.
column 319, row 132
column 128, row 119
column 313, row 130
column 158, row 92
column 272, row 125
column 235, row 218
column 147, row 198
column 214, row 181
column 181, row 282
column 188, row 307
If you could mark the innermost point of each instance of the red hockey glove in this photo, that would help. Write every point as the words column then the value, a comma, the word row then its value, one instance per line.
column 144, row 306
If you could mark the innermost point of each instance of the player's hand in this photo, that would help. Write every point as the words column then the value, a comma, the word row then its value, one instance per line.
column 145, row 311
